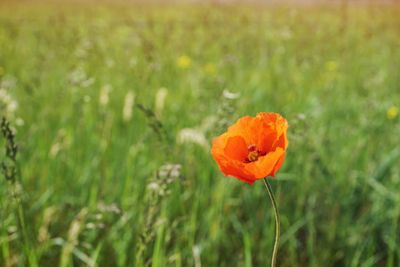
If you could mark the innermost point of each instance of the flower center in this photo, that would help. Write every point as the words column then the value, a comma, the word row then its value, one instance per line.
column 252, row 156
column 253, row 153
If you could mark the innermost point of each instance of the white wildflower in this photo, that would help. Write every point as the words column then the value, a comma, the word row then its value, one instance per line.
column 7, row 104
column 190, row 135
column 196, row 250
column 77, row 76
column 19, row 122
column 12, row 106
column 230, row 95
column 153, row 186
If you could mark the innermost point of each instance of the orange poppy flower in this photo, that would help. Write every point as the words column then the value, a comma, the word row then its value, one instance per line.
column 252, row 148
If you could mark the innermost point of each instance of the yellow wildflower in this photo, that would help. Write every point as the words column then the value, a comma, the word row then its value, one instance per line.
column 392, row 112
column 184, row 62
column 331, row 66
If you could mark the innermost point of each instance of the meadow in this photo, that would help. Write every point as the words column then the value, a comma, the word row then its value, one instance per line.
column 114, row 107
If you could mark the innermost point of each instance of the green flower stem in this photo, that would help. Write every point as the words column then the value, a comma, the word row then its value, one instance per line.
column 277, row 222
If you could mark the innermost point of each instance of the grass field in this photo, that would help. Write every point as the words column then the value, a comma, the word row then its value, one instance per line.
column 102, row 98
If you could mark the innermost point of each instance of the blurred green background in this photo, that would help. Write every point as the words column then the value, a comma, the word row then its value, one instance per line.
column 115, row 105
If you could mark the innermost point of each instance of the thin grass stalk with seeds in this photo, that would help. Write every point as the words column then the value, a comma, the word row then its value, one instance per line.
column 226, row 109
column 73, row 234
column 154, row 123
column 157, row 190
column 10, row 170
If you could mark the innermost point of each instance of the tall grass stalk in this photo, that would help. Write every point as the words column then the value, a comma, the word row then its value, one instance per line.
column 11, row 172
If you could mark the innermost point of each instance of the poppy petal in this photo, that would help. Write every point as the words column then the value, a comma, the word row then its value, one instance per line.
column 264, row 166
column 278, row 164
column 236, row 148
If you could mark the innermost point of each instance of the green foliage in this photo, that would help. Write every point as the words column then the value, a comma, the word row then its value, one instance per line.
column 101, row 97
